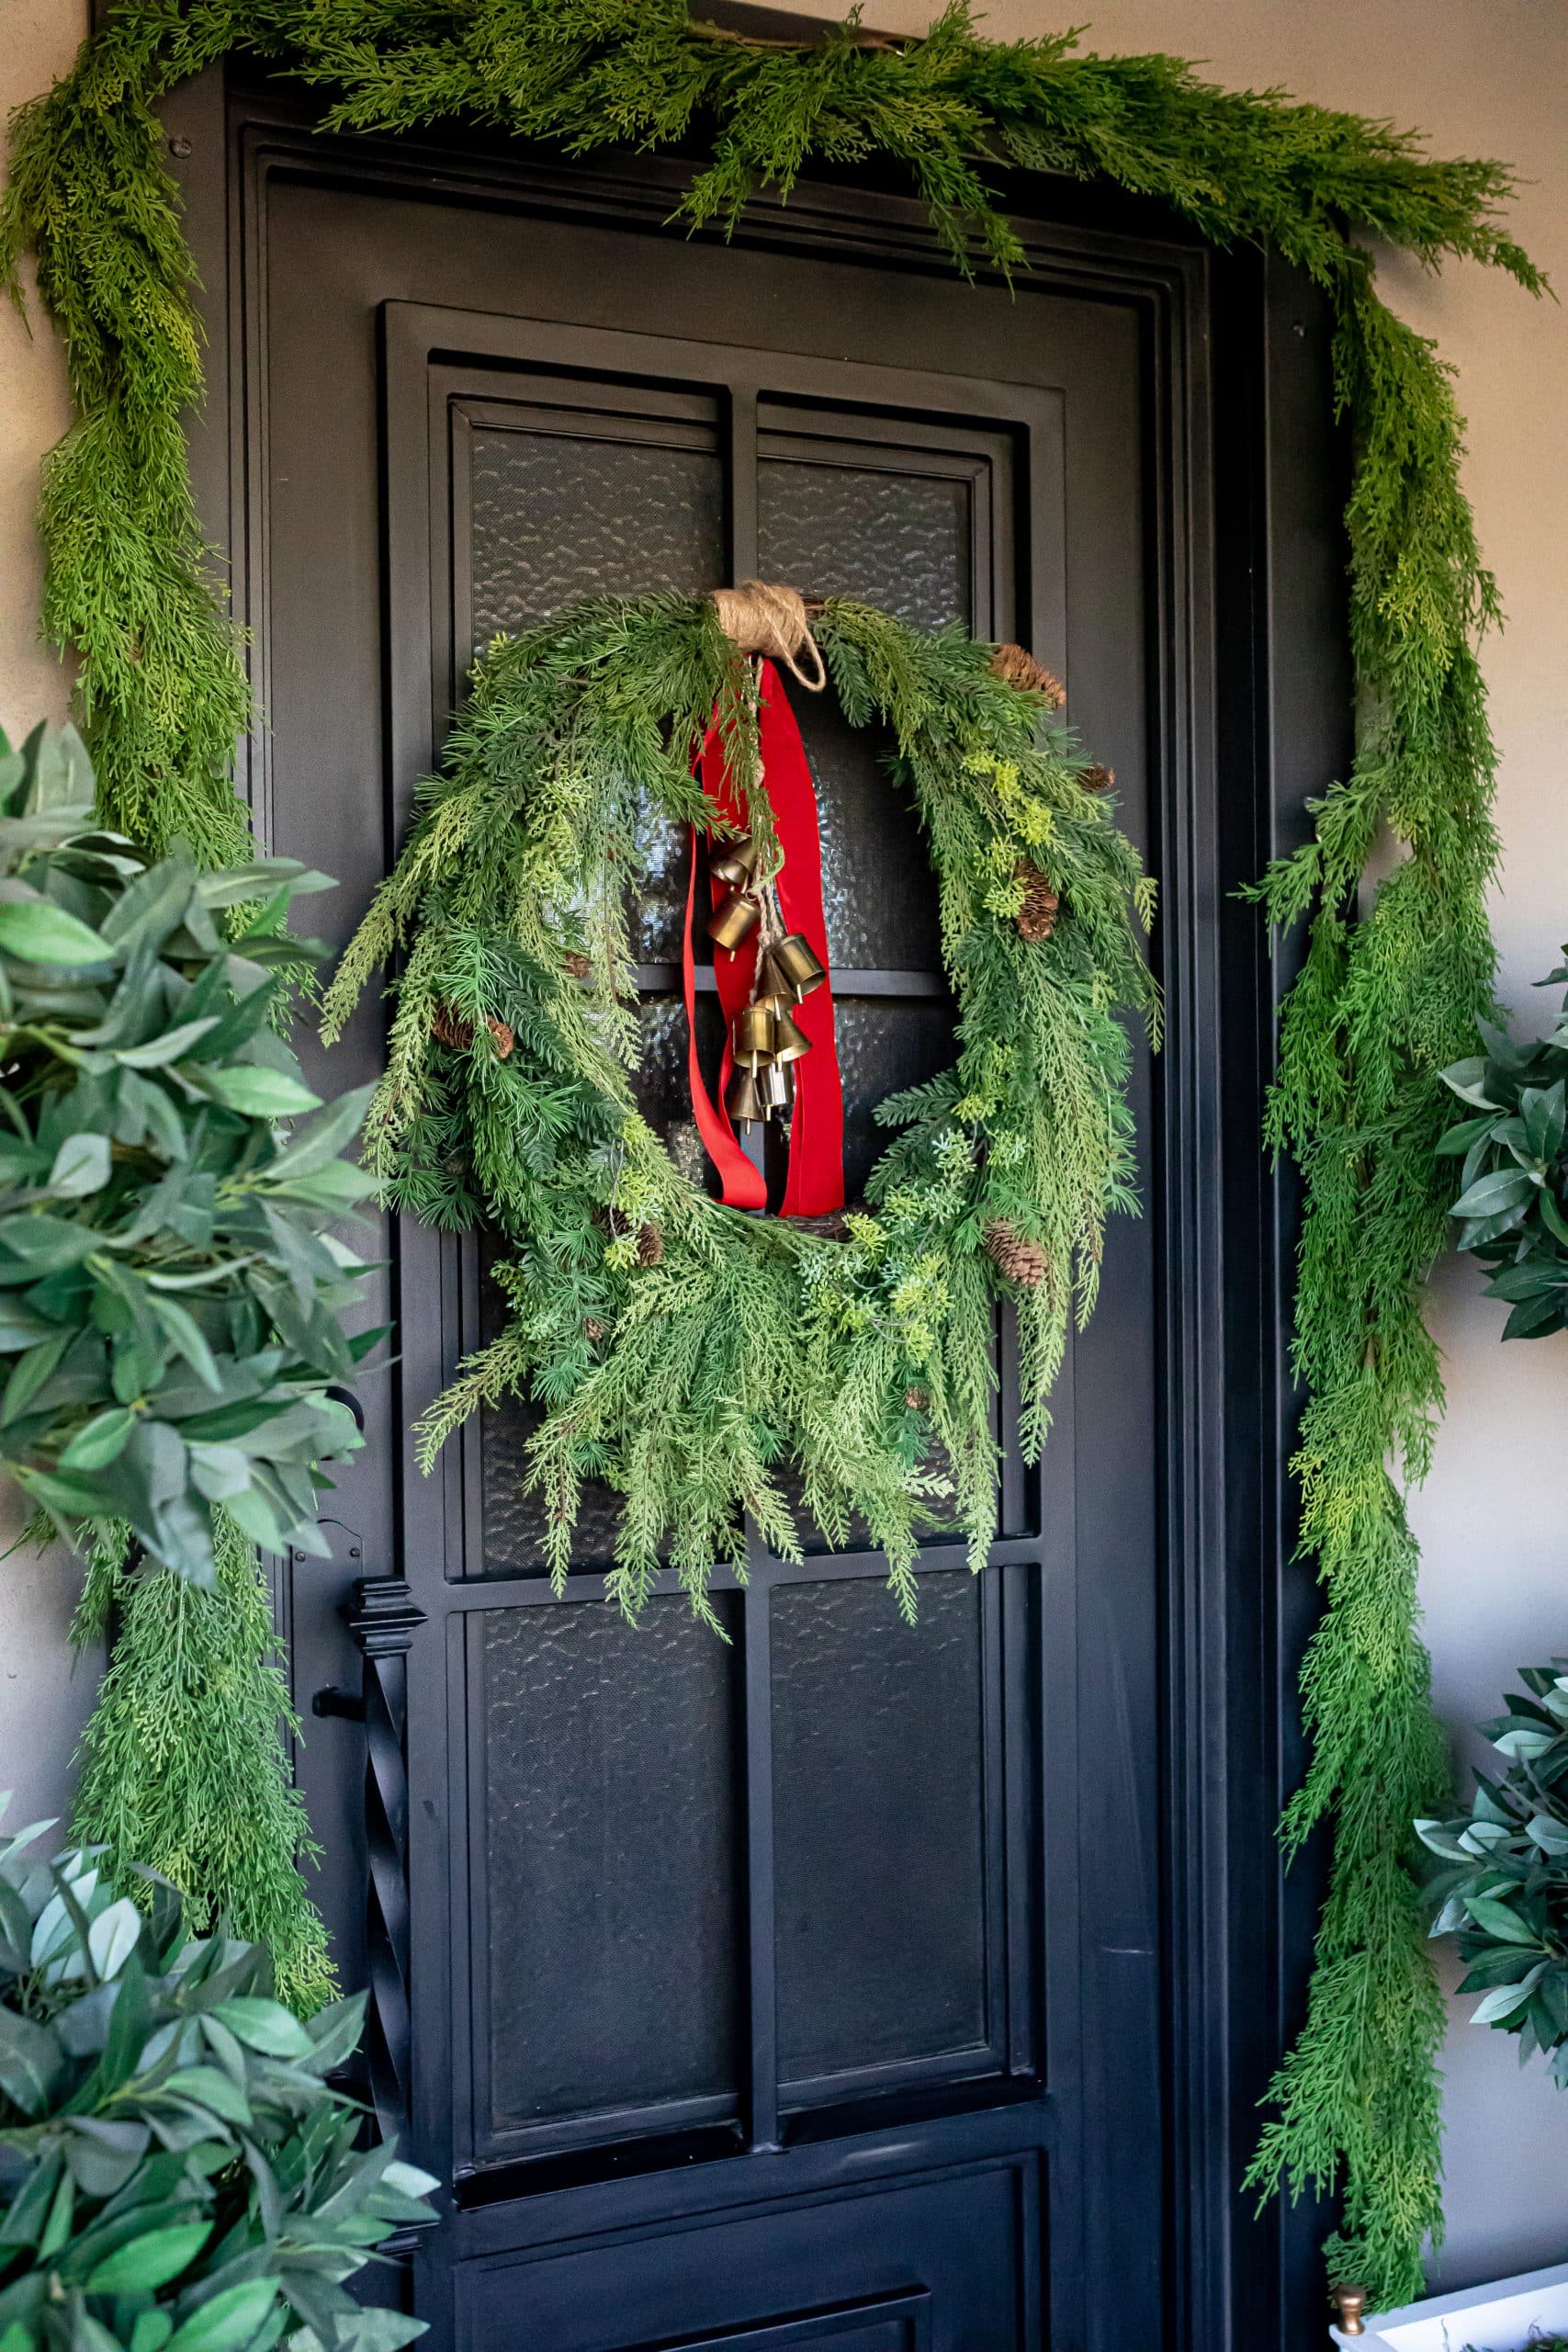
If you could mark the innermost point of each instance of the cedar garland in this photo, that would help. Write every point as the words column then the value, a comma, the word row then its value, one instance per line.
column 1382, row 1003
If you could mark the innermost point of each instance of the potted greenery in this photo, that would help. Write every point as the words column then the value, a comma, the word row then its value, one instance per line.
column 176, row 2173
column 1501, row 1891
column 1513, row 1199
column 171, row 1290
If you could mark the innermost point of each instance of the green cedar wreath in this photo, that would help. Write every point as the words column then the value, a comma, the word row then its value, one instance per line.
column 864, row 1364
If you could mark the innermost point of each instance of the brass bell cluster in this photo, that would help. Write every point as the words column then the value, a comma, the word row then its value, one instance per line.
column 767, row 1040
column 740, row 913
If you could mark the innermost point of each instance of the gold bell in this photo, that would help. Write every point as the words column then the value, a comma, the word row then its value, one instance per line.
column 790, row 1041
column 776, row 1088
column 795, row 964
column 755, row 1027
column 733, row 861
column 741, row 1099
column 735, row 921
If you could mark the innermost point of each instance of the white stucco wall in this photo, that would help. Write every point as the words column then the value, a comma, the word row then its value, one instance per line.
column 1482, row 76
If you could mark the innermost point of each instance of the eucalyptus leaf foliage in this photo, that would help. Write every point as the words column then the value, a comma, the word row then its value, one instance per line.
column 171, row 1289
column 176, row 2174
column 1513, row 1198
column 1502, row 1891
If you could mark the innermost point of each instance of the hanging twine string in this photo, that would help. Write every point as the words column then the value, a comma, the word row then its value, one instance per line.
column 773, row 622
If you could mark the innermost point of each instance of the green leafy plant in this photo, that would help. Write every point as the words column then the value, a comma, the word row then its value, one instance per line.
column 1512, row 1201
column 1383, row 1004
column 170, row 1294
column 1503, row 1890
column 176, row 2174
column 864, row 1363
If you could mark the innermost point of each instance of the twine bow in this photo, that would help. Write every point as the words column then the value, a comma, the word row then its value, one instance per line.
column 760, row 618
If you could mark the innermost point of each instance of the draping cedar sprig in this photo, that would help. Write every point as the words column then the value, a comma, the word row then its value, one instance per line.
column 177, row 2172
column 170, row 1294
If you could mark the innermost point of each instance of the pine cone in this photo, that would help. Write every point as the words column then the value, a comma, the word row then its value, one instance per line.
column 1018, row 668
column 452, row 1029
column 916, row 1400
column 1097, row 778
column 577, row 963
column 455, row 1030
column 650, row 1245
column 1018, row 1260
column 592, row 1329
column 1037, row 916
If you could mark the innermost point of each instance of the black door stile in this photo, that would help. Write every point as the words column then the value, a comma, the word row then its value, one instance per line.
column 1075, row 2182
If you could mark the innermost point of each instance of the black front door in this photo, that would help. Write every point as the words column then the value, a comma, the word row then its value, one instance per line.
column 813, row 1986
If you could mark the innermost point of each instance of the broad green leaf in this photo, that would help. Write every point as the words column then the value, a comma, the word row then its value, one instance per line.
column 206, row 2086
column 1466, row 1080
column 151, row 2331
column 228, row 2321
column 266, row 2026
column 113, row 1937
column 100, row 1440
column 37, row 932
column 159, row 1051
column 1496, row 1919
column 325, row 1137
column 31, row 2061
column 150, row 2262
column 80, row 1166
column 1505, row 1188
column 1503, row 2000
column 260, row 1093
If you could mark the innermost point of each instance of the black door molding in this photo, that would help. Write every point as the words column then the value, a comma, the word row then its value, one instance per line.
column 1252, row 633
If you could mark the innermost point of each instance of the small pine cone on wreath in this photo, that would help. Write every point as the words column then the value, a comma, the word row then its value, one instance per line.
column 1037, row 916
column 455, row 1029
column 650, row 1245
column 1017, row 667
column 577, row 963
column 1018, row 1260
column 1097, row 777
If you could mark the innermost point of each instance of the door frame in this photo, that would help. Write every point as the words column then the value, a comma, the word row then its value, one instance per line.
column 1239, row 349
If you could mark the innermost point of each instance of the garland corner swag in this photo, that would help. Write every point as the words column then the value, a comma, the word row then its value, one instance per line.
column 1384, row 1002
column 862, row 1361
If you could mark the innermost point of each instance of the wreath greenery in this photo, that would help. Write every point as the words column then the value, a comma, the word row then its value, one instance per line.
column 1383, row 1003
column 864, row 1362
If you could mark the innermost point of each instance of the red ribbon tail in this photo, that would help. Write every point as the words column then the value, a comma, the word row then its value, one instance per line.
column 815, row 1181
column 744, row 1184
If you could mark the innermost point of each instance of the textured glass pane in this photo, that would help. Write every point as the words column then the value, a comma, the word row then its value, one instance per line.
column 899, row 540
column 514, row 1520
column 885, row 1043
column 879, row 1841
column 609, row 1849
column 556, row 516
column 878, row 890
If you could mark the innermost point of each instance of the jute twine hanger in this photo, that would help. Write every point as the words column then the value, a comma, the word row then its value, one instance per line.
column 760, row 618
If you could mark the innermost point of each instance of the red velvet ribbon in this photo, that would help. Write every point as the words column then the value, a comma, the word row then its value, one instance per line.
column 815, row 1181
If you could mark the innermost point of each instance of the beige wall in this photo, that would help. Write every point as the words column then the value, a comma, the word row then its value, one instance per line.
column 44, row 1692
column 1482, row 76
